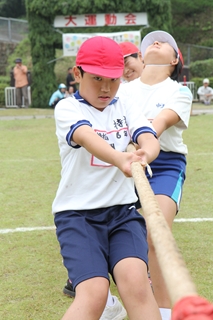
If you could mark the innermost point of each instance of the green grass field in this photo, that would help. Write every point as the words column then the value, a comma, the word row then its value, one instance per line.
column 31, row 270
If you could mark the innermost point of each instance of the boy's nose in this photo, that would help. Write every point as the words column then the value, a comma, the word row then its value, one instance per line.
column 105, row 87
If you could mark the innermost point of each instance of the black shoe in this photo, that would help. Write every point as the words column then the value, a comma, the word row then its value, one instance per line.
column 68, row 289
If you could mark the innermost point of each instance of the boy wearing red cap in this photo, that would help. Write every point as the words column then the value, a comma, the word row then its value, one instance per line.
column 133, row 64
column 97, row 224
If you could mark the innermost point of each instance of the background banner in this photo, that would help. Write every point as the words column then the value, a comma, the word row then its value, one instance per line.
column 73, row 41
column 100, row 19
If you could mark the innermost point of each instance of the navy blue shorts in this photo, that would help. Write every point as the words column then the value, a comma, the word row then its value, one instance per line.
column 168, row 175
column 93, row 241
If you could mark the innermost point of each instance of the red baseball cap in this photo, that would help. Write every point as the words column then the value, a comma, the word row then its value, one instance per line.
column 128, row 48
column 102, row 56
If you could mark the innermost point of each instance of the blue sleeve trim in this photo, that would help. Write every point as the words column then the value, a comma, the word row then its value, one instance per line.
column 141, row 131
column 73, row 128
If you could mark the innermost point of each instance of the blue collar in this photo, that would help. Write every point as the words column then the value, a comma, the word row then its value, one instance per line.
column 80, row 99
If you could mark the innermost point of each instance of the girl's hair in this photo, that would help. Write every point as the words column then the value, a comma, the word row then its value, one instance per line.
column 178, row 68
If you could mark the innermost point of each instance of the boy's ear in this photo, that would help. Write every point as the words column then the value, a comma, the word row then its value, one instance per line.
column 77, row 74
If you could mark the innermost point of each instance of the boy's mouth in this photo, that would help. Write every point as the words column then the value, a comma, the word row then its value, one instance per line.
column 104, row 98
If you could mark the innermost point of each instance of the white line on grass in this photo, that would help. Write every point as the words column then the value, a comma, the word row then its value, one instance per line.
column 57, row 159
column 26, row 229
column 53, row 227
column 29, row 159
column 194, row 220
column 201, row 154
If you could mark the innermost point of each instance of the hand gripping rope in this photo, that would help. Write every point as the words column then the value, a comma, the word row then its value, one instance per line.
column 186, row 303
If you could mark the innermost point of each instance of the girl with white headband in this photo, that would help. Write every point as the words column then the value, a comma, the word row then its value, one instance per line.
column 167, row 104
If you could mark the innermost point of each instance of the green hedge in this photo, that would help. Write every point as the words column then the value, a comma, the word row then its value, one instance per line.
column 2, row 95
column 4, row 82
column 5, row 79
column 202, row 69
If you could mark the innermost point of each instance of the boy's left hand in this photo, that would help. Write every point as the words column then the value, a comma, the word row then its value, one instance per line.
column 127, row 158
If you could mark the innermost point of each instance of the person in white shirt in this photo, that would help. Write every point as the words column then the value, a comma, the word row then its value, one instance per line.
column 167, row 104
column 205, row 92
column 97, row 225
column 133, row 66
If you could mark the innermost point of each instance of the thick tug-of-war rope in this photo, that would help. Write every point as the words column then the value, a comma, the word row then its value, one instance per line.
column 186, row 303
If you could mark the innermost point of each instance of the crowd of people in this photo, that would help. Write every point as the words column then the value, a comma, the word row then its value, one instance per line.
column 132, row 95
column 133, row 66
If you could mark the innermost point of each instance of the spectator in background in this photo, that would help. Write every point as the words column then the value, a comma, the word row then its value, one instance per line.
column 21, row 83
column 70, row 92
column 71, row 83
column 205, row 92
column 58, row 95
column 133, row 64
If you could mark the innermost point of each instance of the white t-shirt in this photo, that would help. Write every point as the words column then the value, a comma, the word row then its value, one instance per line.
column 168, row 94
column 87, row 182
